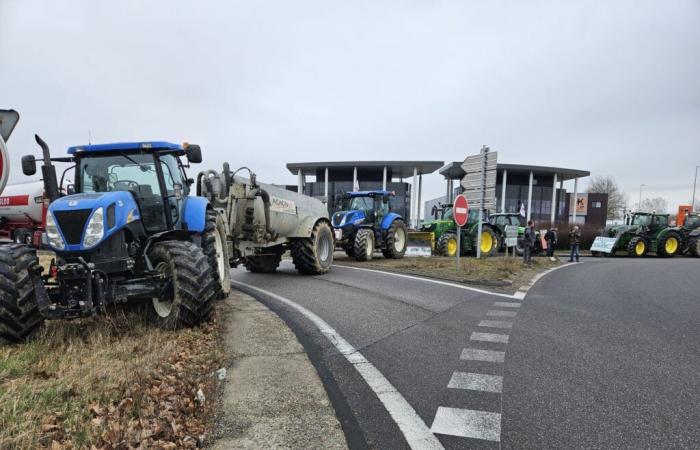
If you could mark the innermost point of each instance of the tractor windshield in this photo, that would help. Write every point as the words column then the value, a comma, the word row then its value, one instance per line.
column 692, row 221
column 361, row 203
column 135, row 173
column 447, row 213
column 641, row 220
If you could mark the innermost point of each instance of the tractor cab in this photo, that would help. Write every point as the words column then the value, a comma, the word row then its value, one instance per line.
column 363, row 207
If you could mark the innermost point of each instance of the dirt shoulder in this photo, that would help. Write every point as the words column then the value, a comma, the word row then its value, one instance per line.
column 506, row 274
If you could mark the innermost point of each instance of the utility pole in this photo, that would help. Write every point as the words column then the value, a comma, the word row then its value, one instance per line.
column 695, row 183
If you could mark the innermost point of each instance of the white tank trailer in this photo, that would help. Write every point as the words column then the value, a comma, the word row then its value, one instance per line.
column 23, row 212
column 263, row 221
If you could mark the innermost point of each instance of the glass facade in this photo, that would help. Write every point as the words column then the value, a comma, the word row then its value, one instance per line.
column 400, row 204
column 516, row 195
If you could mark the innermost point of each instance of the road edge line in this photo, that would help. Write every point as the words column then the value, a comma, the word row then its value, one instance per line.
column 523, row 291
column 413, row 428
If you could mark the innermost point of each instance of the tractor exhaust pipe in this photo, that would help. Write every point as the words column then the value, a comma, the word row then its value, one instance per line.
column 48, row 171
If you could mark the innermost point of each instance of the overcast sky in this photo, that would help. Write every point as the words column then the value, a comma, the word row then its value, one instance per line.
column 610, row 87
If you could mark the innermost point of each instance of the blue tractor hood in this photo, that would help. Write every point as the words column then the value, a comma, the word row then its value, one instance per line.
column 72, row 213
column 345, row 218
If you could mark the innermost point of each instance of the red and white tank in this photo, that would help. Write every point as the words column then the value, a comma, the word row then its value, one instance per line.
column 19, row 202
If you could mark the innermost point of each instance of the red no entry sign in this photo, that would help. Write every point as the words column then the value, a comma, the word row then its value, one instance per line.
column 460, row 210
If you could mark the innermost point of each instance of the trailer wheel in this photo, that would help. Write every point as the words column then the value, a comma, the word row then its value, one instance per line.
column 188, row 297
column 314, row 255
column 669, row 245
column 637, row 247
column 694, row 246
column 214, row 247
column 19, row 314
column 396, row 240
column 263, row 263
column 364, row 244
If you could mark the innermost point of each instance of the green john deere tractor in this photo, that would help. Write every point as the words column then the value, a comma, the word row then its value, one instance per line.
column 443, row 221
column 490, row 242
column 644, row 233
column 691, row 234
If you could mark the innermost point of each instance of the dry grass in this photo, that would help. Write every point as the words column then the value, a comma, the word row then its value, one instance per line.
column 108, row 382
column 497, row 271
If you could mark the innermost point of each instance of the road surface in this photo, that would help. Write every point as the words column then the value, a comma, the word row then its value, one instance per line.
column 602, row 354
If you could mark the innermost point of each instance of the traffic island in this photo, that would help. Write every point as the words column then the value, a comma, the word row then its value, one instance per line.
column 506, row 274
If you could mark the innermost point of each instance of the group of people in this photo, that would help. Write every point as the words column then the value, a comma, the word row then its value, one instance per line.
column 550, row 237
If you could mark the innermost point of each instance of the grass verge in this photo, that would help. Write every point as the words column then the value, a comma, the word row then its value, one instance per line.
column 109, row 382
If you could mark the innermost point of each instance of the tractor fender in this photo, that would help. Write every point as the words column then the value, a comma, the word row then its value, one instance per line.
column 389, row 219
column 664, row 232
column 194, row 213
column 694, row 233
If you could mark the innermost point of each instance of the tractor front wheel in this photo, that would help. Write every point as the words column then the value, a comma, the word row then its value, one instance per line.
column 489, row 242
column 314, row 255
column 190, row 289
column 214, row 247
column 447, row 244
column 694, row 246
column 364, row 244
column 19, row 314
column 637, row 247
column 395, row 240
column 669, row 245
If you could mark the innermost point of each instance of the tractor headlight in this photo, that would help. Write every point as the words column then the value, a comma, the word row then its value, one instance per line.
column 95, row 229
column 55, row 239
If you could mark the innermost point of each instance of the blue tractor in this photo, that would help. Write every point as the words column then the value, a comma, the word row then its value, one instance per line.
column 126, row 232
column 367, row 223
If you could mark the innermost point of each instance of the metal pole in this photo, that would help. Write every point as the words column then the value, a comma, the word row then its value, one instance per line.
column 529, row 198
column 355, row 184
column 414, row 189
column 325, row 186
column 692, row 205
column 420, row 190
column 300, row 182
column 503, row 190
column 573, row 219
column 459, row 244
column 554, row 199
column 484, row 152
column 384, row 180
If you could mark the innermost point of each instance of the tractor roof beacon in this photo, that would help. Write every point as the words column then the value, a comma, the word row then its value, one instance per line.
column 127, row 231
column 366, row 223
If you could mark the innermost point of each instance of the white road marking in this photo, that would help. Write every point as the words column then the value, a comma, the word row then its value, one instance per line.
column 499, row 313
column 414, row 430
column 476, row 382
column 467, row 423
column 495, row 324
column 431, row 280
column 476, row 354
column 506, row 304
column 489, row 337
column 522, row 292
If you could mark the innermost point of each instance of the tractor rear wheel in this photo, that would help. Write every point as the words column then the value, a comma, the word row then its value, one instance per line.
column 669, row 245
column 637, row 247
column 489, row 242
column 314, row 255
column 189, row 297
column 214, row 247
column 263, row 263
column 694, row 246
column 395, row 240
column 447, row 244
column 364, row 244
column 19, row 314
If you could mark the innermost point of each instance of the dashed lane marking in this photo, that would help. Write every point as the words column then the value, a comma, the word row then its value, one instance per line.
column 499, row 313
column 489, row 337
column 507, row 304
column 477, row 354
column 467, row 423
column 476, row 382
column 415, row 431
column 495, row 324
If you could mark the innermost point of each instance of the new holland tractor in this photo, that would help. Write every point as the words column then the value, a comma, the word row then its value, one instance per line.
column 490, row 243
column 366, row 223
column 644, row 233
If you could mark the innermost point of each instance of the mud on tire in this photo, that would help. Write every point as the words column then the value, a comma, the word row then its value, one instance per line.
column 216, row 251
column 263, row 263
column 314, row 255
column 19, row 314
column 393, row 240
column 189, row 300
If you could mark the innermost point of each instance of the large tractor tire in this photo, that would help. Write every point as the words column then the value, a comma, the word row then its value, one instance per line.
column 637, row 247
column 364, row 244
column 694, row 246
column 314, row 255
column 214, row 247
column 263, row 263
column 19, row 314
column 447, row 244
column 489, row 242
column 396, row 239
column 189, row 298
column 669, row 245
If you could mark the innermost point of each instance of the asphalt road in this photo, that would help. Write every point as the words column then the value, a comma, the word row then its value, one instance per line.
column 598, row 355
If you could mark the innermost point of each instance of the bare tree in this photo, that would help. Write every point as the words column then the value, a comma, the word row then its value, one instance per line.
column 656, row 204
column 605, row 184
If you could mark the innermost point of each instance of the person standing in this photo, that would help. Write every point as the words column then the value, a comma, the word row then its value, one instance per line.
column 551, row 238
column 574, row 241
column 528, row 242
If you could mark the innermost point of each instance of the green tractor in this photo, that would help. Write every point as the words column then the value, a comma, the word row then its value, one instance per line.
column 443, row 221
column 644, row 233
column 691, row 234
column 490, row 242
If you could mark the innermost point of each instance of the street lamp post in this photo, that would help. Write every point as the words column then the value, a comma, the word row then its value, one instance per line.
column 695, row 183
column 639, row 206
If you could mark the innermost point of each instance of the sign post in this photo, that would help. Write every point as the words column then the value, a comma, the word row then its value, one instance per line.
column 460, row 212
column 479, row 185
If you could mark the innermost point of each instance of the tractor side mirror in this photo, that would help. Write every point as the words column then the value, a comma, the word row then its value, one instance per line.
column 194, row 153
column 28, row 165
column 385, row 199
column 70, row 189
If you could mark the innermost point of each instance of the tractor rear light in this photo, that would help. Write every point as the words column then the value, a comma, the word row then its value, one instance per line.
column 95, row 229
column 55, row 238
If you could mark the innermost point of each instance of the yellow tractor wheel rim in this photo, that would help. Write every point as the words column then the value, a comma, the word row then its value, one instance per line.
column 486, row 242
column 452, row 247
column 671, row 245
column 639, row 248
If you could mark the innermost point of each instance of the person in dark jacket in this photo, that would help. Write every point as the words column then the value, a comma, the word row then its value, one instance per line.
column 574, row 241
column 551, row 238
column 528, row 242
